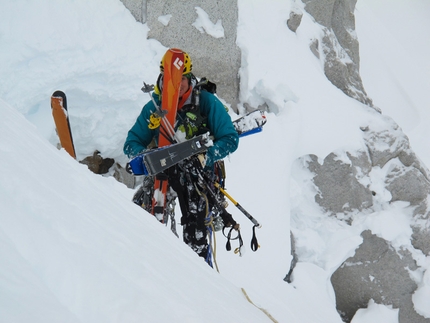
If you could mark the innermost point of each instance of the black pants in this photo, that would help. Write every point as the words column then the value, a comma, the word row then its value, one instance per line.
column 194, row 206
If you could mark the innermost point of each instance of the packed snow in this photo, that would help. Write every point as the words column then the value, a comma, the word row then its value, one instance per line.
column 74, row 248
column 205, row 25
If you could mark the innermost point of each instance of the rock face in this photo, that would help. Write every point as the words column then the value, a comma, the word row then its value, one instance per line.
column 377, row 272
column 218, row 59
column 97, row 164
column 340, row 182
column 137, row 9
column 107, row 166
column 336, row 180
column 338, row 47
column 363, row 182
column 295, row 19
column 347, row 184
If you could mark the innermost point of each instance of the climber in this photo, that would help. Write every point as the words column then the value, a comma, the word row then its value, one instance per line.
column 192, row 119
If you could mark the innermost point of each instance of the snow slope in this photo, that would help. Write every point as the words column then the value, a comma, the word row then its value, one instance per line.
column 74, row 249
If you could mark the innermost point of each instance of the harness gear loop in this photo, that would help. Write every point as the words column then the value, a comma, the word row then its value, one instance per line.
column 254, row 242
column 228, row 244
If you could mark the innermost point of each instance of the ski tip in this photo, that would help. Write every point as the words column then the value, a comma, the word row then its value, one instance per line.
column 251, row 132
column 59, row 93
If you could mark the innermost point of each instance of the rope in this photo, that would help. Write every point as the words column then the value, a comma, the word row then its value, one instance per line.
column 211, row 232
column 261, row 309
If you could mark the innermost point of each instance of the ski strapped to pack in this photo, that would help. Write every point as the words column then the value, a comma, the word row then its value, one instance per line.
column 166, row 129
column 173, row 68
column 153, row 161
column 250, row 123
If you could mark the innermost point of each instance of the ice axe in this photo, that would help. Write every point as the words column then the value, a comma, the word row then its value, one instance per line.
column 254, row 243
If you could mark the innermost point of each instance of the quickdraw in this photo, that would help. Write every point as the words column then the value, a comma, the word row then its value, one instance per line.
column 238, row 250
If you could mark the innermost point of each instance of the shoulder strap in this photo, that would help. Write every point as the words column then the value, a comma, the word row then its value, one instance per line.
column 203, row 84
column 159, row 85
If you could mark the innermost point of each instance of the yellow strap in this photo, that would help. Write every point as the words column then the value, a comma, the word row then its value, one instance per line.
column 154, row 121
column 261, row 309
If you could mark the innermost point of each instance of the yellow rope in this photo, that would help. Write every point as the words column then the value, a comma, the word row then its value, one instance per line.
column 261, row 309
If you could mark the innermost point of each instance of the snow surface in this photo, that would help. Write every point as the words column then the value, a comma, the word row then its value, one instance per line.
column 376, row 313
column 74, row 248
column 205, row 25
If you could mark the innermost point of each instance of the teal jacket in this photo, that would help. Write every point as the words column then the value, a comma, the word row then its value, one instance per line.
column 226, row 139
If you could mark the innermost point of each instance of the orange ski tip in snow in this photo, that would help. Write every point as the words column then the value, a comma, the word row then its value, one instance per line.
column 61, row 119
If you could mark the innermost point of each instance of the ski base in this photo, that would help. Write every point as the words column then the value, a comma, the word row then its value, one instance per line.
column 155, row 161
column 62, row 124
column 250, row 123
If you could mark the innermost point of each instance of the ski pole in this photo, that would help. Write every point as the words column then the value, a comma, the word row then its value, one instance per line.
column 236, row 204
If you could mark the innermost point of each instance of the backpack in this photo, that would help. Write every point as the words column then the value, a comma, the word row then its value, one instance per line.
column 190, row 119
